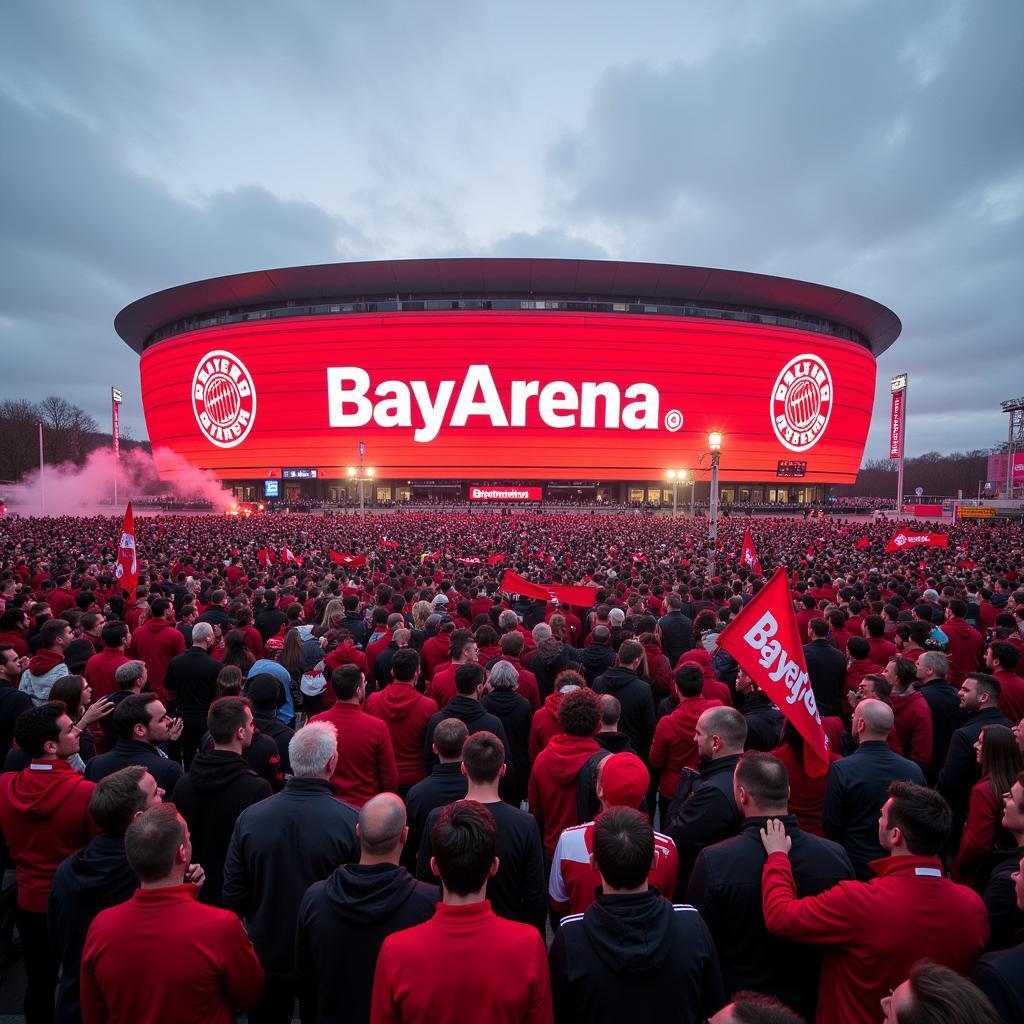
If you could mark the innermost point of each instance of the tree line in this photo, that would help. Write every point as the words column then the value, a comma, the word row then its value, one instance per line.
column 933, row 472
column 69, row 434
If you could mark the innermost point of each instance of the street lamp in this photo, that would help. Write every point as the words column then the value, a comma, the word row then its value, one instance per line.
column 361, row 475
column 715, row 444
column 677, row 476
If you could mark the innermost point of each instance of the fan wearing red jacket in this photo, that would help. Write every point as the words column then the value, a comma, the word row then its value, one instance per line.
column 211, row 972
column 465, row 963
column 366, row 760
column 406, row 713
column 155, row 642
column 552, row 789
column 875, row 931
column 101, row 667
column 1002, row 659
column 44, row 816
column 675, row 746
column 913, row 729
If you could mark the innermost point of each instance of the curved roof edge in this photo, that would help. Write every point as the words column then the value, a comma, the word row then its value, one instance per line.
column 593, row 279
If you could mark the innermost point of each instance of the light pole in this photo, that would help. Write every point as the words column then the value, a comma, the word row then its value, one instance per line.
column 715, row 444
column 677, row 476
column 361, row 475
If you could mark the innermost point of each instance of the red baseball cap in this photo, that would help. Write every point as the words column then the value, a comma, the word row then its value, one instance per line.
column 624, row 780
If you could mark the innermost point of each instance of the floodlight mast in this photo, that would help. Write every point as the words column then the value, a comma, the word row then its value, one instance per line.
column 1015, row 437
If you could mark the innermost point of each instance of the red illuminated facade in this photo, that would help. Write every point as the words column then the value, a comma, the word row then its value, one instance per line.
column 520, row 373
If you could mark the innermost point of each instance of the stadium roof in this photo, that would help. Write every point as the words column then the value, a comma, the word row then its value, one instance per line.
column 596, row 280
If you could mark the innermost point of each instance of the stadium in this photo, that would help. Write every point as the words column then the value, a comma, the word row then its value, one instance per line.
column 501, row 380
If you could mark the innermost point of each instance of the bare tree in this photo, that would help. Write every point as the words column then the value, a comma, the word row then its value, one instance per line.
column 19, row 437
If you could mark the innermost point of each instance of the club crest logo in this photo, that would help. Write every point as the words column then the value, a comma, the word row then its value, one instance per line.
column 900, row 540
column 801, row 402
column 223, row 399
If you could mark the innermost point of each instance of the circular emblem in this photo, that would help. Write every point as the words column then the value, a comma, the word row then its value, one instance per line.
column 223, row 399
column 801, row 402
column 900, row 540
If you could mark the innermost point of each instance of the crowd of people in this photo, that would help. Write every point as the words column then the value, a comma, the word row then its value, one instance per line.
column 328, row 767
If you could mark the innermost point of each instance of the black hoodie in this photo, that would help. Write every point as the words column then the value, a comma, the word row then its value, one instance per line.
column 634, row 957
column 637, row 700
column 343, row 922
column 86, row 883
column 217, row 788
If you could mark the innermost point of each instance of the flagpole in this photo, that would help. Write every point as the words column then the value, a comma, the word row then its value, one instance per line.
column 42, row 473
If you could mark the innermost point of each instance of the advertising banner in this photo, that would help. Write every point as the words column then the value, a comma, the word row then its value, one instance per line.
column 508, row 396
column 505, row 493
column 975, row 512
column 896, row 426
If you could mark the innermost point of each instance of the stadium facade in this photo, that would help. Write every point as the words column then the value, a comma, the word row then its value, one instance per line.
column 578, row 379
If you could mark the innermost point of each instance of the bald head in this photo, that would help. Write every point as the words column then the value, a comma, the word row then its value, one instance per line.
column 877, row 718
column 381, row 827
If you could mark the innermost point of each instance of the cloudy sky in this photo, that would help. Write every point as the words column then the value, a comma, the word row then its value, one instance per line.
column 875, row 146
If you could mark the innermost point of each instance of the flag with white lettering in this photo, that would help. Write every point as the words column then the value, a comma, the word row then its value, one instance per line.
column 907, row 539
column 765, row 641
column 127, row 571
column 748, row 556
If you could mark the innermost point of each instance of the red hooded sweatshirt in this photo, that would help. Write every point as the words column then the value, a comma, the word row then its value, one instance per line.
column 366, row 760
column 44, row 814
column 436, row 651
column 406, row 713
column 552, row 789
column 156, row 641
column 963, row 648
column 545, row 724
column 912, row 731
column 674, row 747
column 714, row 688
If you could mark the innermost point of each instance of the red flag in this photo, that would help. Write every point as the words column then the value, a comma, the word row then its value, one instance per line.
column 265, row 557
column 472, row 560
column 127, row 571
column 863, row 542
column 905, row 539
column 581, row 597
column 748, row 556
column 347, row 560
column 809, row 553
column 765, row 641
column 385, row 543
column 495, row 559
column 287, row 555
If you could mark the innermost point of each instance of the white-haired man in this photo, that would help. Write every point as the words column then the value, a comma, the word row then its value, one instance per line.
column 279, row 848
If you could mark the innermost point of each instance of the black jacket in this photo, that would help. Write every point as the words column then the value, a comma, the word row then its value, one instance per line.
column 947, row 717
column 128, row 752
column 476, row 717
column 217, row 616
column 858, row 786
column 596, row 659
column 725, row 886
column 356, row 627
column 210, row 797
column 551, row 657
column 516, row 718
column 519, row 890
column 707, row 816
column 342, row 923
column 1005, row 918
column 676, row 635
column 192, row 678
column 278, row 849
column 95, row 878
column 764, row 723
column 269, row 622
column 12, row 703
column 444, row 785
column 635, row 957
column 272, row 727
column 637, row 700
column 1001, row 977
column 961, row 770
column 615, row 742
column 827, row 668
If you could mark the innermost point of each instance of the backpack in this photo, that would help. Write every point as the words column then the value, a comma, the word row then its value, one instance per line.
column 689, row 783
column 587, row 804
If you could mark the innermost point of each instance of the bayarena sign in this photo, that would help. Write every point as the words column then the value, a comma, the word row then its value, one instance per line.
column 509, row 370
